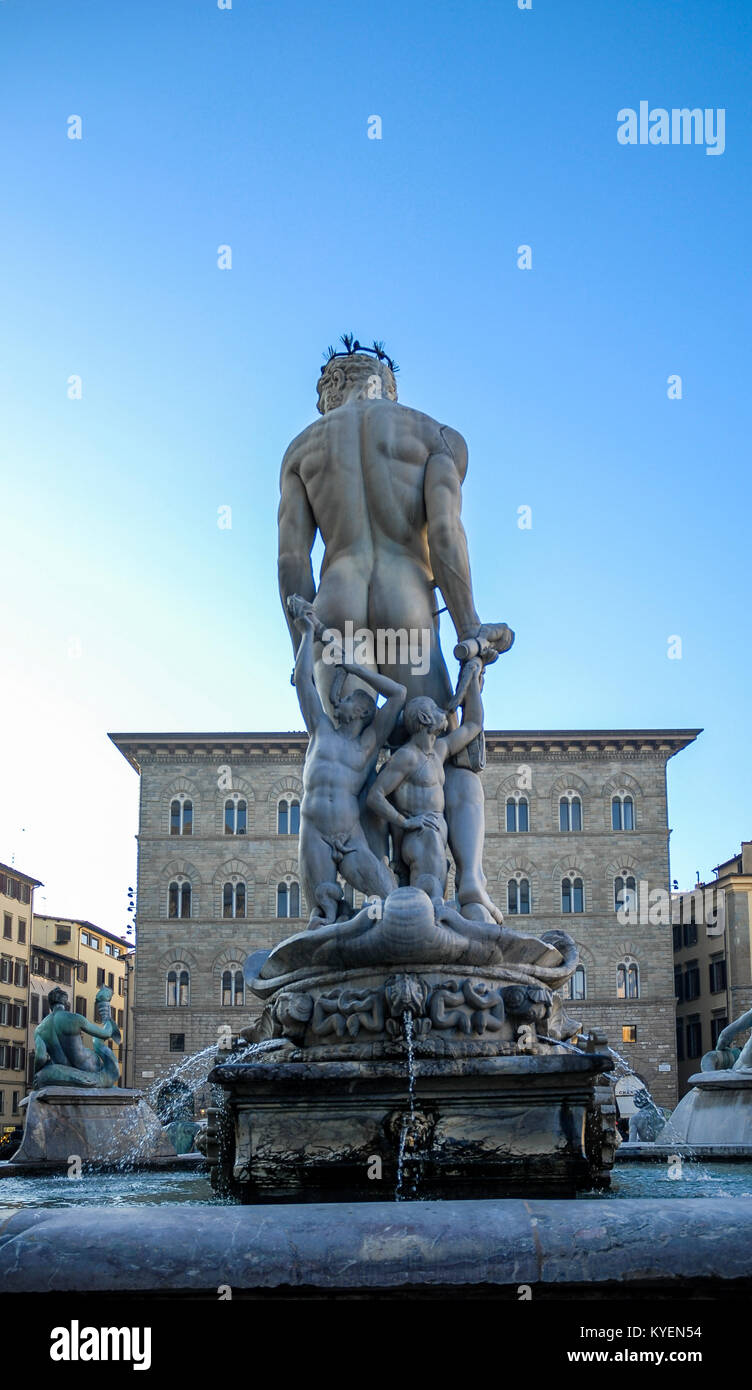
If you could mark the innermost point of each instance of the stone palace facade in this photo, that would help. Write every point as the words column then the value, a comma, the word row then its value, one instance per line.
column 576, row 821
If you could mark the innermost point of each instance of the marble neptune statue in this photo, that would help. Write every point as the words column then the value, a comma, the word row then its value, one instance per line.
column 381, row 484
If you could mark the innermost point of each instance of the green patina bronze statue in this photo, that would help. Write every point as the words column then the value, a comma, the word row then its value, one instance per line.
column 60, row 1055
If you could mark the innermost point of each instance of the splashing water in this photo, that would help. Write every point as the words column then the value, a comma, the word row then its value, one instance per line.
column 408, row 1121
column 668, row 1134
column 559, row 1042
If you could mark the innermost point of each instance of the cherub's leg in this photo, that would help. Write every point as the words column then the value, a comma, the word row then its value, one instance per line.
column 361, row 868
column 318, row 870
column 424, row 851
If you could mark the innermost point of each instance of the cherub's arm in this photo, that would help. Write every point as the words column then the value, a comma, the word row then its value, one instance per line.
column 396, row 694
column 471, row 726
column 392, row 775
column 308, row 696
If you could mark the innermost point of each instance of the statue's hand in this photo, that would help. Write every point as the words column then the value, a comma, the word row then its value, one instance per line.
column 427, row 820
column 302, row 614
column 497, row 635
column 487, row 643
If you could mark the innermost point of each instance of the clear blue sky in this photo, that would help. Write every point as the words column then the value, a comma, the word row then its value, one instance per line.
column 126, row 607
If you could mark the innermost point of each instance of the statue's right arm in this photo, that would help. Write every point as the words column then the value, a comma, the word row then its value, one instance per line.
column 309, row 699
column 97, row 1030
column 447, row 542
column 296, row 533
column 392, row 776
column 737, row 1025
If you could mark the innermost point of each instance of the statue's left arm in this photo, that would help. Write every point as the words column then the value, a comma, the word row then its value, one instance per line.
column 296, row 534
column 447, row 542
column 472, row 721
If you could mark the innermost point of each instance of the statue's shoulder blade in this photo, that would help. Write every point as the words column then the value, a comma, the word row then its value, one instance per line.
column 302, row 444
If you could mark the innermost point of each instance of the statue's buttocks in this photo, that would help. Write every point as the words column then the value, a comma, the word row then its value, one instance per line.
column 363, row 470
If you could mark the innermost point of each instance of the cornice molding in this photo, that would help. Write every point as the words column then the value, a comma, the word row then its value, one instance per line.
column 535, row 745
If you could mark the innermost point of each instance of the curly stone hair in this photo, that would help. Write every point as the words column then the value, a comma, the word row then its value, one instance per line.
column 343, row 368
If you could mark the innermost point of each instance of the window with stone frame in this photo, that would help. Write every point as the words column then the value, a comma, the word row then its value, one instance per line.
column 517, row 814
column 576, row 986
column 181, row 815
column 234, row 898
column 625, row 893
column 572, row 894
column 518, row 895
column 570, row 811
column 233, row 987
column 622, row 812
column 179, row 898
column 236, row 815
column 178, row 987
column 288, row 817
column 627, row 980
column 288, row 898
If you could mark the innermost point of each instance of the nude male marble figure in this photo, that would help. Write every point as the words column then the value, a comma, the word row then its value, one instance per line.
column 381, row 483
column 340, row 758
column 409, row 790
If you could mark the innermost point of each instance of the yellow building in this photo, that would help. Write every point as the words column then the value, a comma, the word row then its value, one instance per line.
column 16, row 909
column 712, row 928
column 81, row 958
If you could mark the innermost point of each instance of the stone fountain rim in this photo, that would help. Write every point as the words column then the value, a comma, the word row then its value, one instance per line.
column 336, row 975
column 522, row 1063
column 727, row 1079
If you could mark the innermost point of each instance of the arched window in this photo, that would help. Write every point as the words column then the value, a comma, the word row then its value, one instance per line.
column 622, row 813
column 181, row 815
column 178, row 987
column 576, row 987
column 236, row 815
column 233, row 988
column 570, row 812
column 288, row 818
column 518, row 895
column 179, row 898
column 625, row 893
column 517, row 813
column 572, row 895
column 627, row 980
column 233, row 898
column 288, row 899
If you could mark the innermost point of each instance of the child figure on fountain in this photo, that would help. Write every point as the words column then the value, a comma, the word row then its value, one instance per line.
column 409, row 790
column 339, row 761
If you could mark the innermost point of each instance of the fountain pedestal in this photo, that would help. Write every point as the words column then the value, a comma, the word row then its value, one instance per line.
column 99, row 1125
column 478, row 1127
column 716, row 1112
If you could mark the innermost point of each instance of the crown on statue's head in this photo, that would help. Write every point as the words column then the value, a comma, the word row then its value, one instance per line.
column 351, row 347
